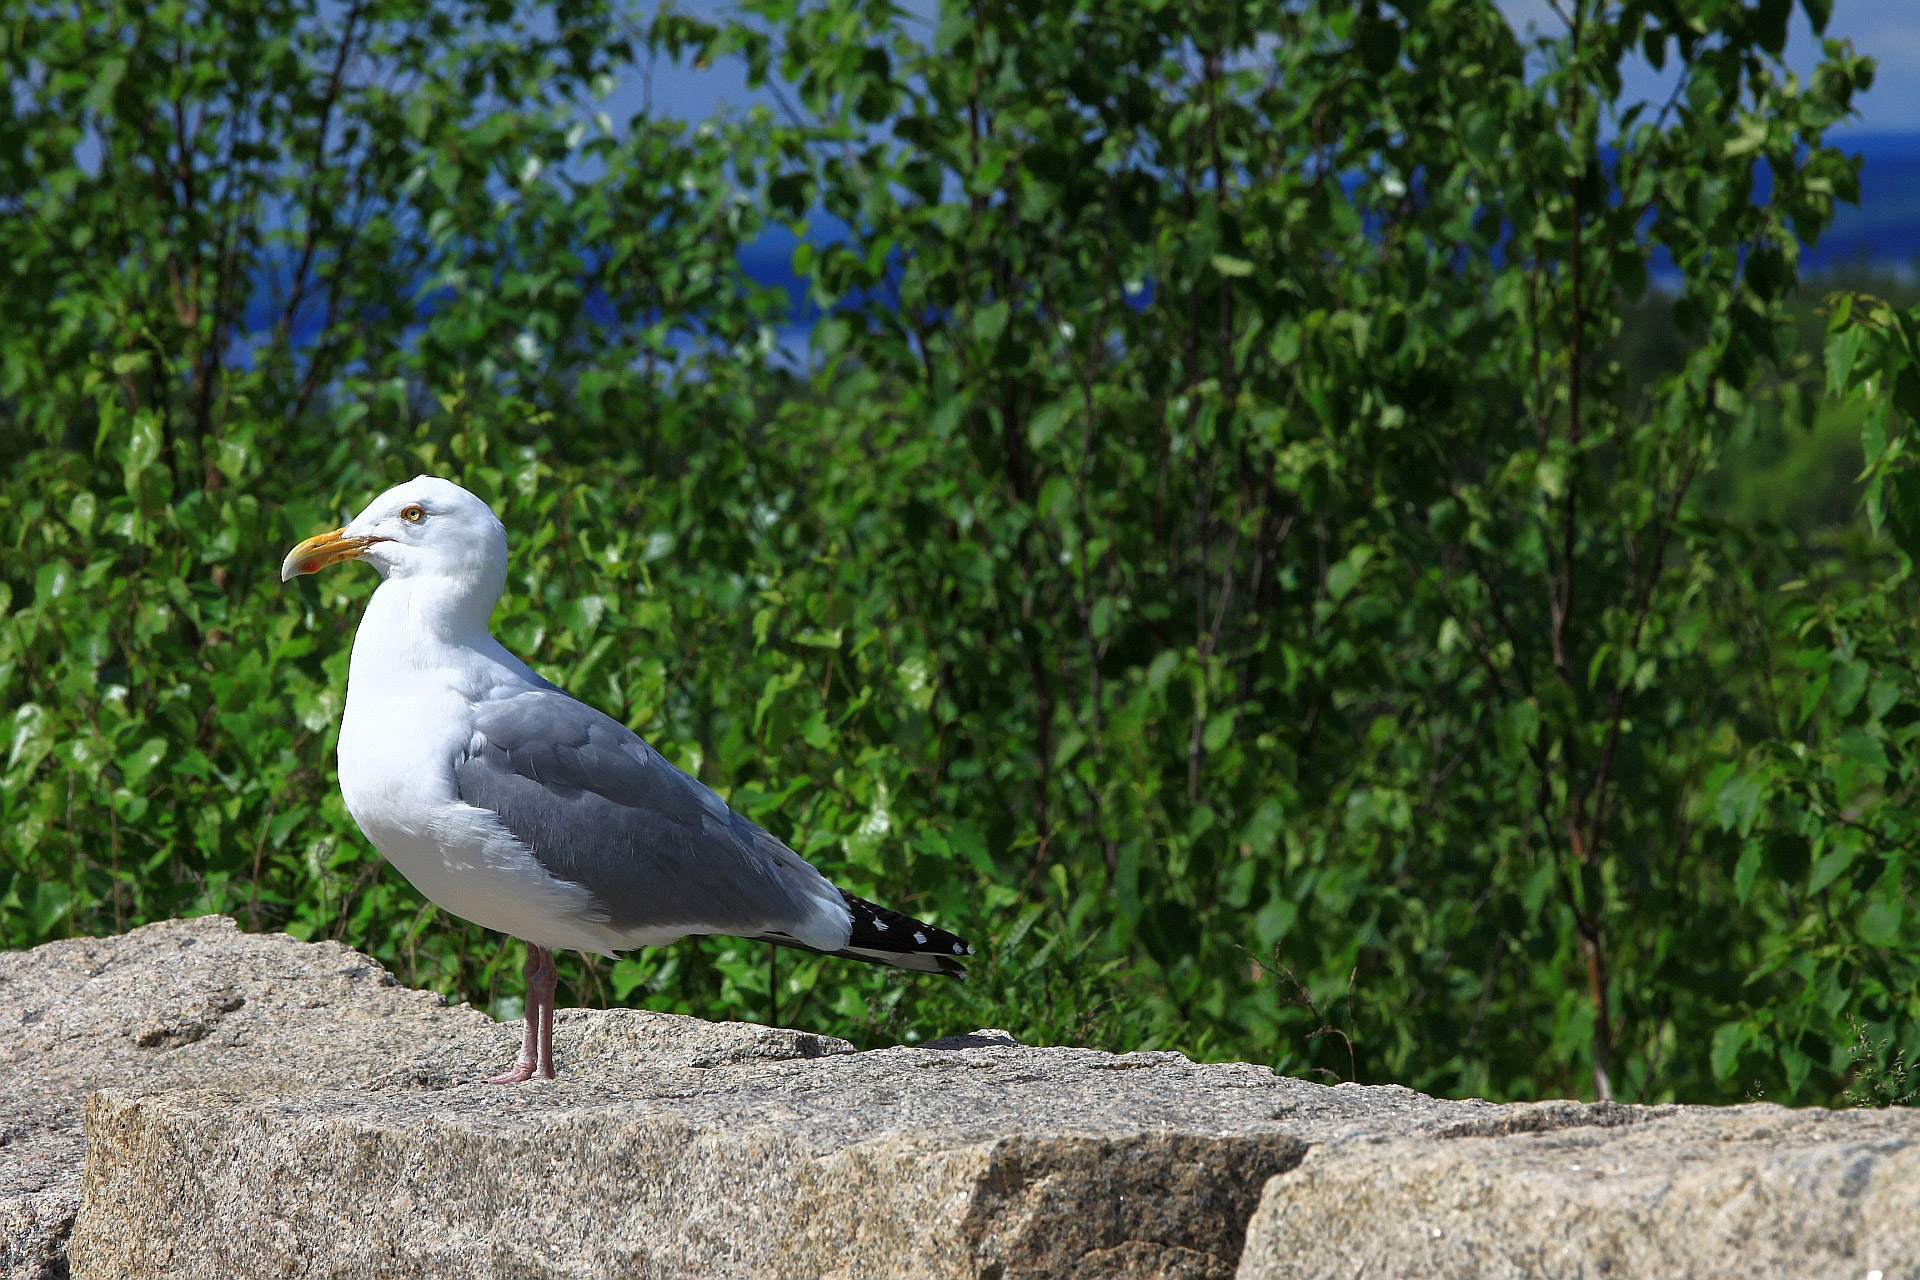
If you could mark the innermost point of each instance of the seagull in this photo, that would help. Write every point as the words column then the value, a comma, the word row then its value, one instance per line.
column 510, row 804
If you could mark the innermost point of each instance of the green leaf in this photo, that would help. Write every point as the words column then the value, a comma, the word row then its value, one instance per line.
column 820, row 639
column 1882, row 698
column 1880, row 922
column 142, row 760
column 142, row 448
column 1344, row 574
column 1219, row 730
column 1857, row 744
column 990, row 321
column 1829, row 868
column 1729, row 1038
column 1849, row 681
column 1046, row 423
column 1745, row 870
column 1739, row 801
column 1843, row 352
column 31, row 738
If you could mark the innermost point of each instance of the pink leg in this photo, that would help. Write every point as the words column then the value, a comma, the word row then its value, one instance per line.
column 536, row 1049
column 549, row 978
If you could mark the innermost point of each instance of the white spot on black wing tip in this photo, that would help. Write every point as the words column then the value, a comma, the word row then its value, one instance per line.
column 920, row 937
column 879, row 926
column 961, row 949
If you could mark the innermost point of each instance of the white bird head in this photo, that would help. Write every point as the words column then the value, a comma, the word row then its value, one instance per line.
column 425, row 528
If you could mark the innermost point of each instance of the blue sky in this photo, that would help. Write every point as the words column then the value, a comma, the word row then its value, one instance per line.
column 1889, row 30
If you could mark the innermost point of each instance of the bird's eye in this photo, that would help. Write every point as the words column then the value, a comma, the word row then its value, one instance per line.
column 412, row 515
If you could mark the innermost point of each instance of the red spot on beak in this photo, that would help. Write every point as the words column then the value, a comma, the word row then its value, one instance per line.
column 311, row 566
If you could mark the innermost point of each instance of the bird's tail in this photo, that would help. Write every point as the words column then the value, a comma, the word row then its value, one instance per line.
column 883, row 936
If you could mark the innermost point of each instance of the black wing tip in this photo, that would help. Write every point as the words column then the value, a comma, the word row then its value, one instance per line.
column 916, row 961
column 933, row 962
column 889, row 932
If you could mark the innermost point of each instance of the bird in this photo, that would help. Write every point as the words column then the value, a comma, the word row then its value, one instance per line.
column 507, row 802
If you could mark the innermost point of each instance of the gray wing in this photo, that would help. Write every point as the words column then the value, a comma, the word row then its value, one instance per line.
column 656, row 849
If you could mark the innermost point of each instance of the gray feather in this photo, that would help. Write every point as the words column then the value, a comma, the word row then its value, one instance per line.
column 654, row 847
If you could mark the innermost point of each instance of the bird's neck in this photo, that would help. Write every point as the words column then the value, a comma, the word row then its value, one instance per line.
column 413, row 622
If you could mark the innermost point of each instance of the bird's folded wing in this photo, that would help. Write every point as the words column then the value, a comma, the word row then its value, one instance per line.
column 655, row 848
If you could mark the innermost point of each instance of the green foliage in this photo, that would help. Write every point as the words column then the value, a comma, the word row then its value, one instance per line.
column 1221, row 553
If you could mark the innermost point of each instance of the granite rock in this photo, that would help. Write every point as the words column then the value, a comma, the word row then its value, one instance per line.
column 196, row 1003
column 972, row 1157
column 1755, row 1190
column 330, row 1122
column 258, row 1106
column 183, row 1003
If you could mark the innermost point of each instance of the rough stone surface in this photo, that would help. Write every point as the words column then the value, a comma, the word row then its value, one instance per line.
column 256, row 1106
column 973, row 1157
column 1682, row 1191
column 196, row 1003
column 327, row 1120
column 190, row 1002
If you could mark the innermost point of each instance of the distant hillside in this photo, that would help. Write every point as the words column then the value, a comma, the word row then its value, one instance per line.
column 1885, row 229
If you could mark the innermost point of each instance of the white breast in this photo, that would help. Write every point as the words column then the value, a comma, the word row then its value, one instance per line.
column 408, row 717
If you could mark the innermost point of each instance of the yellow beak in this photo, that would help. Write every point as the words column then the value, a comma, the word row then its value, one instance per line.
column 321, row 550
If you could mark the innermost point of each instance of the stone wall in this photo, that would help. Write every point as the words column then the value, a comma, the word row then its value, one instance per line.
column 192, row 1101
